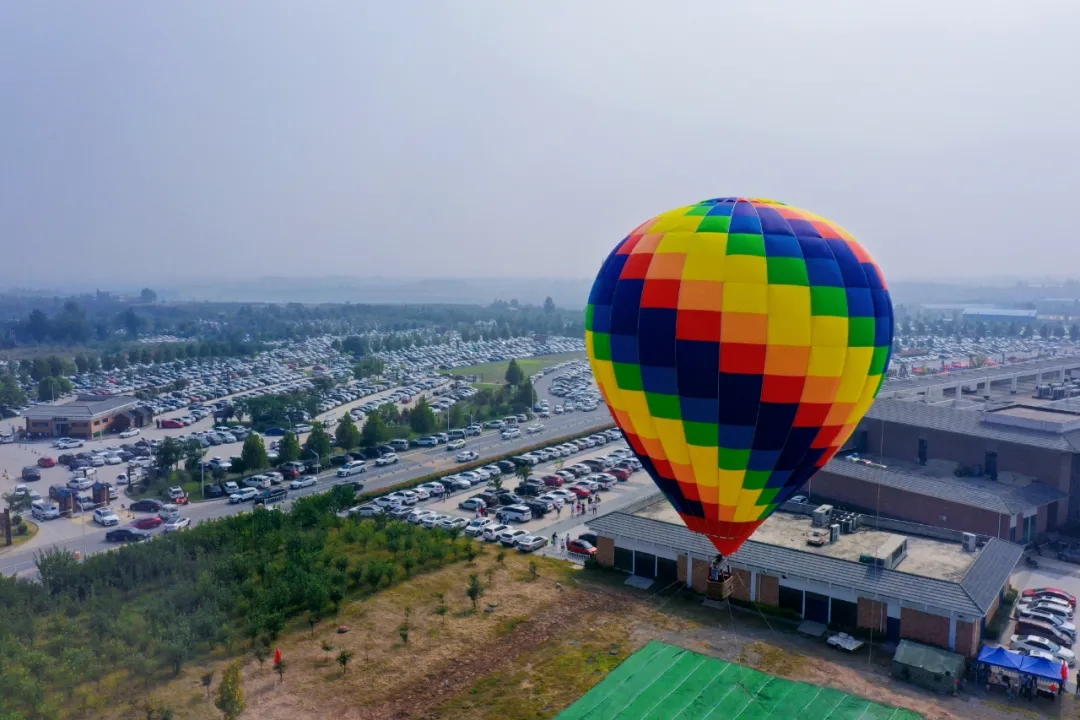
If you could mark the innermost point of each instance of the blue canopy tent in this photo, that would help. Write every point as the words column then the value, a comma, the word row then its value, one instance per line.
column 1042, row 668
column 1002, row 658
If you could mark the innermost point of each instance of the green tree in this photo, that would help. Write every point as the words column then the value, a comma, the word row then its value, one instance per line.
column 52, row 388
column 347, row 434
column 523, row 472
column 193, row 453
column 422, row 417
column 280, row 670
column 373, row 432
column 230, row 695
column 343, row 659
column 389, row 413
column 549, row 305
column 253, row 454
column 168, row 454
column 368, row 367
column 148, row 296
column 474, row 590
column 355, row 345
column 318, row 442
column 326, row 647
column 17, row 504
column 514, row 373
column 288, row 448
column 11, row 394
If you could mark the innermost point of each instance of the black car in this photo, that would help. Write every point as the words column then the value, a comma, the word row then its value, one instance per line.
column 509, row 498
column 354, row 485
column 213, row 490
column 386, row 449
column 271, row 496
column 588, row 537
column 275, row 432
column 530, row 489
column 539, row 509
column 448, row 484
column 490, row 499
column 31, row 472
column 506, row 466
column 127, row 535
column 339, row 460
column 146, row 505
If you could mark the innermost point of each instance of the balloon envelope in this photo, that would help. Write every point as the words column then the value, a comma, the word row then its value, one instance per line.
column 737, row 343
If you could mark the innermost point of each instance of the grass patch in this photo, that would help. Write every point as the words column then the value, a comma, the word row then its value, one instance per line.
column 493, row 374
column 507, row 626
column 16, row 539
column 548, row 679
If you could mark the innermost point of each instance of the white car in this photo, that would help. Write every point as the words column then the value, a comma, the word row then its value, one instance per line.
column 419, row 515
column 352, row 468
column 511, row 434
column 303, row 482
column 476, row 527
column 130, row 433
column 1034, row 642
column 387, row 459
column 176, row 492
column 106, row 517
column 454, row 523
column 421, row 492
column 491, row 532
column 434, row 520
column 388, row 501
column 402, row 497
column 534, row 428
column 455, row 445
column 531, row 543
column 436, row 489
column 467, row 456
column 492, row 470
column 556, row 500
column 510, row 537
column 177, row 523
column 365, row 511
column 243, row 495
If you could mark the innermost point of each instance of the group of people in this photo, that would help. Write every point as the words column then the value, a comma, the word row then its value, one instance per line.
column 589, row 506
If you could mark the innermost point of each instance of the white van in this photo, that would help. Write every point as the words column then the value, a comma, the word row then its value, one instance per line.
column 516, row 513
column 169, row 512
column 456, row 434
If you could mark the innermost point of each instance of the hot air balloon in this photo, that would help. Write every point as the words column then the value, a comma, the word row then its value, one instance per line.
column 737, row 343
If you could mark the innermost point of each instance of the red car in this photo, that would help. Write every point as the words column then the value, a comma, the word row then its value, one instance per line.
column 580, row 491
column 147, row 523
column 1051, row 592
column 46, row 462
column 170, row 423
column 581, row 547
column 621, row 474
column 553, row 480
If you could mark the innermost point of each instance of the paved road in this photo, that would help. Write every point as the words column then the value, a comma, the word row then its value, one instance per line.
column 81, row 534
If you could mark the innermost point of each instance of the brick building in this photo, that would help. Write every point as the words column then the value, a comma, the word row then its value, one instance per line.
column 941, row 596
column 86, row 417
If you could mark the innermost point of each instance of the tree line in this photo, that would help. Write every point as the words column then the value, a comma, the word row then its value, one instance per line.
column 94, row 632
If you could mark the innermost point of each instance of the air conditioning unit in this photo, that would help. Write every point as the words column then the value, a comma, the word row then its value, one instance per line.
column 821, row 515
column 834, row 533
column 971, row 542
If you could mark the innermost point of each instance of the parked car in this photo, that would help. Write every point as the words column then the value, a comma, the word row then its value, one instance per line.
column 41, row 510
column 510, row 537
column 1033, row 593
column 1032, row 642
column 127, row 535
column 473, row 503
column 531, row 543
column 31, row 473
column 581, row 547
column 46, row 462
column 147, row 523
column 106, row 517
column 476, row 527
column 129, row 433
column 491, row 532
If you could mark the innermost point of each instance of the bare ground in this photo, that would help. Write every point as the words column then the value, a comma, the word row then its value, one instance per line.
column 543, row 643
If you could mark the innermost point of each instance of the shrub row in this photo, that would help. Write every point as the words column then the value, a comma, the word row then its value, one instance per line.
column 368, row 496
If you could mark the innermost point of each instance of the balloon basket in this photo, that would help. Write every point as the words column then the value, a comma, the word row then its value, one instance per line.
column 720, row 589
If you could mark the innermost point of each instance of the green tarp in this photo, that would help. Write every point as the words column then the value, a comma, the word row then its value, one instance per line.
column 928, row 667
column 664, row 682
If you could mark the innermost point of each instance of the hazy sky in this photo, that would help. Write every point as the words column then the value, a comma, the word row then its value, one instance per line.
column 149, row 142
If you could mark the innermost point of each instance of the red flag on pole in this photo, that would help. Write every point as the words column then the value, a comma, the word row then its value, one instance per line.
column 277, row 657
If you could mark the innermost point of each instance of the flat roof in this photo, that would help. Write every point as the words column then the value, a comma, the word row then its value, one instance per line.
column 925, row 557
column 971, row 596
column 1002, row 372
column 84, row 406
column 1011, row 494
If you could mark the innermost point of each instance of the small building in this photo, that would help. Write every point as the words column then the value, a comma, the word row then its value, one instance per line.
column 928, row 667
column 86, row 417
column 936, row 592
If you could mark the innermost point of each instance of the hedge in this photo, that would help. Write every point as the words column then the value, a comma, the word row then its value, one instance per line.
column 364, row 497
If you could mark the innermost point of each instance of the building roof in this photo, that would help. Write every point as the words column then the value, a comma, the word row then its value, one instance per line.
column 968, row 422
column 972, row 596
column 84, row 406
column 983, row 494
column 1000, row 312
column 973, row 375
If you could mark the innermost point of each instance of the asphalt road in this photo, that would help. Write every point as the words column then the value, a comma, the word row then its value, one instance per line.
column 85, row 536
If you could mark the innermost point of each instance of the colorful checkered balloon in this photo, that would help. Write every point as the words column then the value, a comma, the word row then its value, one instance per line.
column 737, row 342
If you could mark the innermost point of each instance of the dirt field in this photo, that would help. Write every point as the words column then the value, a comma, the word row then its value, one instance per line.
column 532, row 647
